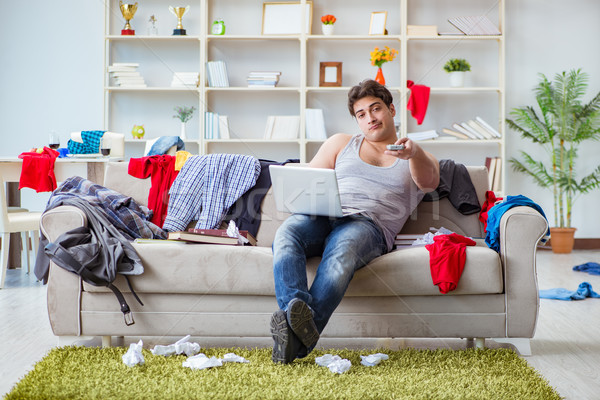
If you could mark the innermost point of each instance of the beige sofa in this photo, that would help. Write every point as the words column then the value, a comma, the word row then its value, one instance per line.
column 227, row 291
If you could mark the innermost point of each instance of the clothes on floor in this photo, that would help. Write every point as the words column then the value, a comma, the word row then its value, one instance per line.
column 164, row 143
column 418, row 100
column 490, row 201
column 206, row 187
column 456, row 185
column 583, row 291
column 37, row 171
column 161, row 169
column 447, row 257
column 91, row 143
column 492, row 237
column 246, row 211
column 591, row 268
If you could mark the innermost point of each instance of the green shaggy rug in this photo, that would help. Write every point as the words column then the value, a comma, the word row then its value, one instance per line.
column 95, row 373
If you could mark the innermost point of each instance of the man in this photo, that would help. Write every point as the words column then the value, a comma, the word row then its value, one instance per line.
column 387, row 184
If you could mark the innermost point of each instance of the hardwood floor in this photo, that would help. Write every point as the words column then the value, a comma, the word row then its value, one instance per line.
column 566, row 346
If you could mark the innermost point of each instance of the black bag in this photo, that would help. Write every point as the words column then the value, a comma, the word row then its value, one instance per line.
column 79, row 252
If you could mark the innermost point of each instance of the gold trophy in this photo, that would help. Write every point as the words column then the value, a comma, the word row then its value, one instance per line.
column 128, row 10
column 179, row 12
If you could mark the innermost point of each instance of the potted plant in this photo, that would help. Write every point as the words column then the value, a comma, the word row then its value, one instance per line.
column 457, row 67
column 184, row 114
column 562, row 125
column 328, row 21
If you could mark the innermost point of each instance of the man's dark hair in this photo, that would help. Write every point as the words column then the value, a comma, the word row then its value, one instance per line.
column 368, row 87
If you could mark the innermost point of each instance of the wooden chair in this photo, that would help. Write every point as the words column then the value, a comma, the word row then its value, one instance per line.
column 17, row 220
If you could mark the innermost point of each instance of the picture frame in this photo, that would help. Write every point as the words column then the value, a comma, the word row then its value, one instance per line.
column 377, row 25
column 330, row 73
column 284, row 18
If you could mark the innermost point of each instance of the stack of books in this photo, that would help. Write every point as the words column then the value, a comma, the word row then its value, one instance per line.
column 263, row 78
column 476, row 129
column 425, row 135
column 216, row 72
column 475, row 25
column 405, row 239
column 211, row 236
column 126, row 75
column 216, row 126
column 185, row 79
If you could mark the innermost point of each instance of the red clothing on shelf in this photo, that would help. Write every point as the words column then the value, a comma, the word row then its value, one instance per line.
column 447, row 257
column 161, row 169
column 418, row 100
column 490, row 201
column 37, row 171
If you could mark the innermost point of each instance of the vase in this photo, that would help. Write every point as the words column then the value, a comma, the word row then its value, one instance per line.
column 379, row 77
column 182, row 134
column 327, row 29
column 457, row 78
column 562, row 240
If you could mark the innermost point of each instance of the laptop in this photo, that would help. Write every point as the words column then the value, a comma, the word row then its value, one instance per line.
column 305, row 190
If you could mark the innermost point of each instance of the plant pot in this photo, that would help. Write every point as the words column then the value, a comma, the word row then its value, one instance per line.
column 562, row 239
column 327, row 29
column 457, row 79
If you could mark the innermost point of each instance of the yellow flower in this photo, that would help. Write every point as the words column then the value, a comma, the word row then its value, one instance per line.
column 379, row 57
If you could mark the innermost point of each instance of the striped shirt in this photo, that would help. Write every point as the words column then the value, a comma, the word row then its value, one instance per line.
column 206, row 187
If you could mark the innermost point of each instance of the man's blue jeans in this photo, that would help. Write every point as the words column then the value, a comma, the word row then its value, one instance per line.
column 346, row 245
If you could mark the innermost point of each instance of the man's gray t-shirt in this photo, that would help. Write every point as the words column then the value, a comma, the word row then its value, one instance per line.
column 388, row 194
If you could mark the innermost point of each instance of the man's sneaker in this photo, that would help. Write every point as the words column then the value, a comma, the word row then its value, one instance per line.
column 284, row 339
column 300, row 319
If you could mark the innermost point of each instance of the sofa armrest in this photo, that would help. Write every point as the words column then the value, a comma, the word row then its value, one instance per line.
column 521, row 229
column 64, row 287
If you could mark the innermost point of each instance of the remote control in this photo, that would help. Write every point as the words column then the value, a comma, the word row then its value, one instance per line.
column 395, row 147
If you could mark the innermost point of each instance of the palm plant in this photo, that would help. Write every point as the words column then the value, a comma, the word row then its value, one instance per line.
column 562, row 124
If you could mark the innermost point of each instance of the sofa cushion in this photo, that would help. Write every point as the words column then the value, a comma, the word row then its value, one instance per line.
column 172, row 267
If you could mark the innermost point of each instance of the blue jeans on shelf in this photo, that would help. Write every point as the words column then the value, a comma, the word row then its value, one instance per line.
column 346, row 244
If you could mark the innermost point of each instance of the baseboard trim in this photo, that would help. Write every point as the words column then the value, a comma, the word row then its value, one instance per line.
column 580, row 244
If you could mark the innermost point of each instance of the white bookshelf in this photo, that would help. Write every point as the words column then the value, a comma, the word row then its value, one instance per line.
column 244, row 49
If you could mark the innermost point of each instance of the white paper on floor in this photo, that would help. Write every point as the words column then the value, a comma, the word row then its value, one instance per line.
column 373, row 359
column 179, row 347
column 134, row 355
column 336, row 364
column 201, row 361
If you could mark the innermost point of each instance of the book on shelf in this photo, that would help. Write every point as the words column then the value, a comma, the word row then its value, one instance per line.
column 475, row 25
column 493, row 165
column 454, row 133
column 473, row 131
column 497, row 184
column 422, row 30
column 315, row 124
column 478, row 128
column 487, row 126
column 184, row 79
column 212, row 125
column 462, row 130
column 216, row 72
column 223, row 233
column 424, row 135
column 263, row 78
column 223, row 127
column 282, row 127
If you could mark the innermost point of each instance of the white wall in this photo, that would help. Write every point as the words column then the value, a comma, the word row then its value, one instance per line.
column 52, row 75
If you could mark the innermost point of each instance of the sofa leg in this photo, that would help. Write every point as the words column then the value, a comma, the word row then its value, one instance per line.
column 523, row 345
column 480, row 343
column 106, row 341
